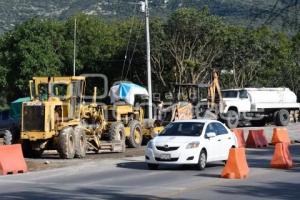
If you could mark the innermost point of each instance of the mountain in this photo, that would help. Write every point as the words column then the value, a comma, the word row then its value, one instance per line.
column 280, row 14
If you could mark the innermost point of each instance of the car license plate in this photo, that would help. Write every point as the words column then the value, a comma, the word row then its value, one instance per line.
column 165, row 156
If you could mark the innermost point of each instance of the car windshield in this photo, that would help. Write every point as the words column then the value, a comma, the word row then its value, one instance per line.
column 229, row 94
column 183, row 129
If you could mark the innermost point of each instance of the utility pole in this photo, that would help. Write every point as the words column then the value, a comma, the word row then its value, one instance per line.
column 74, row 50
column 148, row 61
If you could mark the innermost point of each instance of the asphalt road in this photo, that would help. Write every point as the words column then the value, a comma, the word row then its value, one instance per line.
column 129, row 178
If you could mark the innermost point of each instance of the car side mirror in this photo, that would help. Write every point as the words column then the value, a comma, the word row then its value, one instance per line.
column 211, row 135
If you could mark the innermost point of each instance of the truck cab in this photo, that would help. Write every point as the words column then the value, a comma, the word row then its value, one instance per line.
column 236, row 99
column 259, row 106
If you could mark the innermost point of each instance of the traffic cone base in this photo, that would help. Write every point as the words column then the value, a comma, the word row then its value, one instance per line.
column 282, row 158
column 236, row 166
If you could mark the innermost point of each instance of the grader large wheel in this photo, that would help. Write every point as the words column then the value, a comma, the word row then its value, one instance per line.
column 117, row 134
column 80, row 142
column 66, row 143
column 136, row 136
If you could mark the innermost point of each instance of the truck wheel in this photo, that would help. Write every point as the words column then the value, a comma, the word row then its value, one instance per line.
column 117, row 134
column 7, row 138
column 282, row 117
column 80, row 142
column 66, row 143
column 136, row 136
column 232, row 119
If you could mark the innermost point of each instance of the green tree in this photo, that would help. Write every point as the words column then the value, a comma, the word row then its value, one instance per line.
column 32, row 49
column 98, row 43
column 193, row 42
column 245, row 52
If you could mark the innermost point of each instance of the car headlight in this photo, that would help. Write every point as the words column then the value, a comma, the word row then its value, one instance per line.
column 150, row 144
column 192, row 145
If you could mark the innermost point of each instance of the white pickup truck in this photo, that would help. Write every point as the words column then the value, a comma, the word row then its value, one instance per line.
column 258, row 105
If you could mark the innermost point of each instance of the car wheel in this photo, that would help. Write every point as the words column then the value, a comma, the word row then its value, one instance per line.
column 202, row 160
column 152, row 166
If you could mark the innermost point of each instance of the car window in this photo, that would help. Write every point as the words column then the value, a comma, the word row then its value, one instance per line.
column 210, row 128
column 220, row 129
column 183, row 129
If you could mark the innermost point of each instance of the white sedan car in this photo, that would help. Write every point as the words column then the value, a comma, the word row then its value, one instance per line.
column 194, row 142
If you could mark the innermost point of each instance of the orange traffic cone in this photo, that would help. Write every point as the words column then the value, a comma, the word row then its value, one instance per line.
column 282, row 158
column 256, row 139
column 12, row 160
column 280, row 135
column 239, row 133
column 236, row 166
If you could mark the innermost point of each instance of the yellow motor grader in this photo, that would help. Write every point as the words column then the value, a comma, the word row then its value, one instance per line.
column 128, row 105
column 57, row 118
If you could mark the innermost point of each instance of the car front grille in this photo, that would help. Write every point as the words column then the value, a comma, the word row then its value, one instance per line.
column 161, row 148
column 33, row 118
column 164, row 160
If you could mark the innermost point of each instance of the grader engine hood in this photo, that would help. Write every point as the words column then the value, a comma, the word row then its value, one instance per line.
column 33, row 117
column 36, row 121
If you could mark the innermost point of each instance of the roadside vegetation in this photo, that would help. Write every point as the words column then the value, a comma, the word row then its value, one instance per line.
column 186, row 46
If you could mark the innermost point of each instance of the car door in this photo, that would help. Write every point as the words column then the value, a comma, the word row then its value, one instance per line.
column 213, row 143
column 225, row 140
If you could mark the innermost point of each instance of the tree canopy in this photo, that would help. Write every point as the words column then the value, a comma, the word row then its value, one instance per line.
column 185, row 48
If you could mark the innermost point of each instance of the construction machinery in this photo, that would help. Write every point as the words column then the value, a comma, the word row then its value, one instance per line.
column 129, row 101
column 195, row 100
column 57, row 118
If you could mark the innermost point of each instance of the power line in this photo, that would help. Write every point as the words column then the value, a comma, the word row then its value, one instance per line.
column 128, row 43
column 134, row 48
